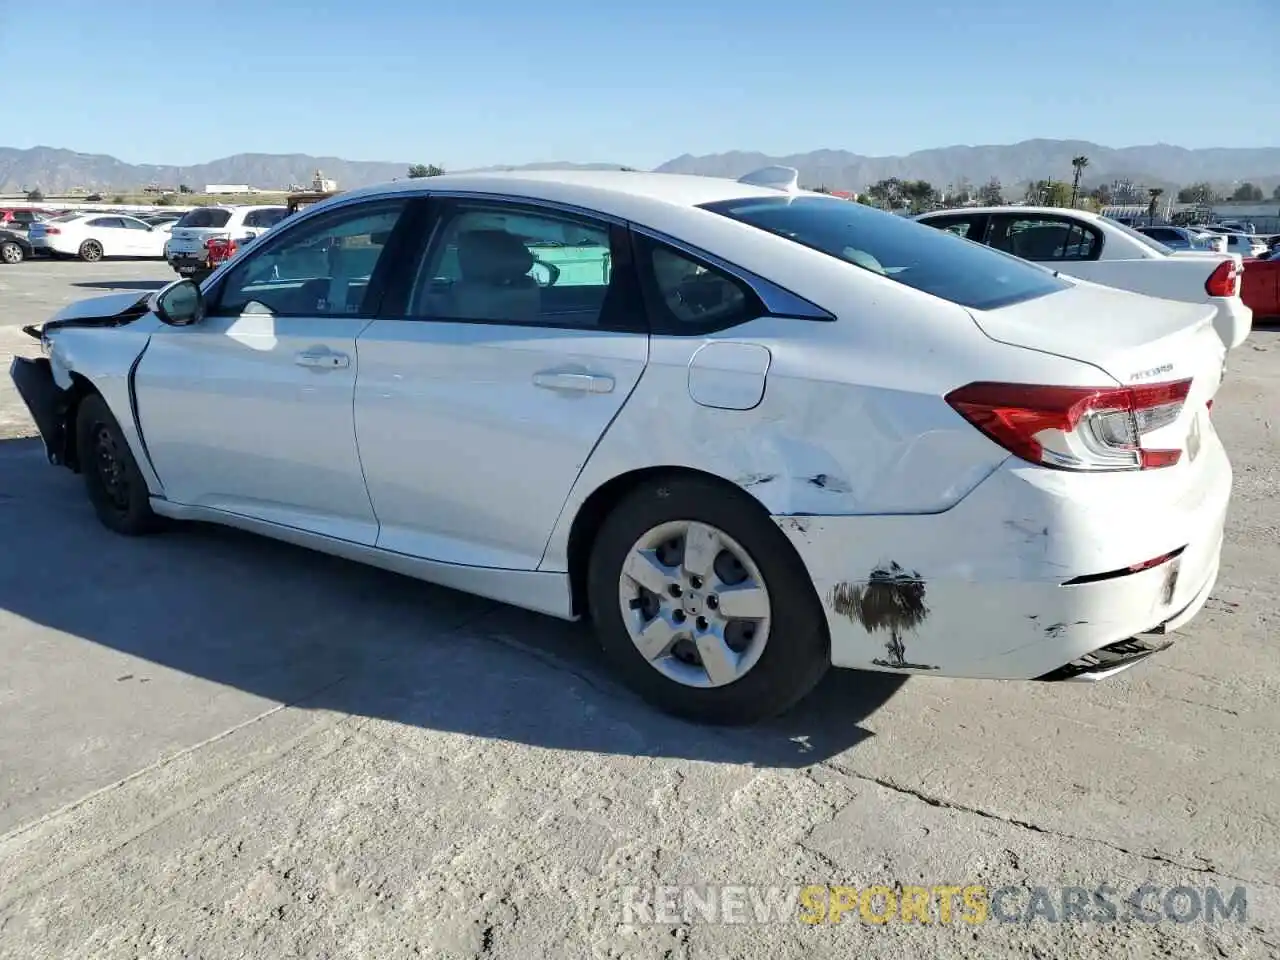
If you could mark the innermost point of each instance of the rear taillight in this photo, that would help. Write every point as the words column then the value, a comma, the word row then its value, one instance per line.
column 53, row 230
column 1075, row 428
column 1224, row 281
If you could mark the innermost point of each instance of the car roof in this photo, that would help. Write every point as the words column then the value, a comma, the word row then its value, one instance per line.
column 616, row 192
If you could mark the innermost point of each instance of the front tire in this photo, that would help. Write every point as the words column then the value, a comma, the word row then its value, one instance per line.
column 703, row 604
column 90, row 251
column 10, row 252
column 115, row 485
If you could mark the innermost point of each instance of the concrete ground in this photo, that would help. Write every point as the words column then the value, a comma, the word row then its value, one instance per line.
column 217, row 746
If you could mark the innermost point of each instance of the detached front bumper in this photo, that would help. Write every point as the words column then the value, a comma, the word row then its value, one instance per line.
column 47, row 403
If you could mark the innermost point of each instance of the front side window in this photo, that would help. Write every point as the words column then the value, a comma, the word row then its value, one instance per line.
column 321, row 267
column 897, row 248
column 130, row 224
column 110, row 223
column 492, row 263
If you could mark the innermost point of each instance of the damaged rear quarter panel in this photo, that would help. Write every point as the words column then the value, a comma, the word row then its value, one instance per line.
column 852, row 422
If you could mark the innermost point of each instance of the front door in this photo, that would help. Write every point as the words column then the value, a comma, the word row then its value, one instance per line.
column 250, row 411
column 513, row 343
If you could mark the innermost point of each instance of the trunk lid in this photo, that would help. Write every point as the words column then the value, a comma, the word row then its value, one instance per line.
column 1135, row 340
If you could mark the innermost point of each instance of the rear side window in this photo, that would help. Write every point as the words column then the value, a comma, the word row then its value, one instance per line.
column 204, row 217
column 918, row 256
column 1045, row 238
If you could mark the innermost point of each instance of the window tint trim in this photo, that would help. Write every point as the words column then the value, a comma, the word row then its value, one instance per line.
column 777, row 300
column 410, row 216
column 444, row 205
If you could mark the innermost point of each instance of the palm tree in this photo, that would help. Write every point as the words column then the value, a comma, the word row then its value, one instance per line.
column 1151, row 205
column 1079, row 163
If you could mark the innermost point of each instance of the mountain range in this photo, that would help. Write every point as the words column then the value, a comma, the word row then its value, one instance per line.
column 57, row 170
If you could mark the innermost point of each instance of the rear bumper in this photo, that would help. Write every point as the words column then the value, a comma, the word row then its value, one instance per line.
column 46, row 401
column 188, row 266
column 1233, row 321
column 988, row 584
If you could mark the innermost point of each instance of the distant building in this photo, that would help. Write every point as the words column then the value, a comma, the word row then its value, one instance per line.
column 322, row 185
column 228, row 188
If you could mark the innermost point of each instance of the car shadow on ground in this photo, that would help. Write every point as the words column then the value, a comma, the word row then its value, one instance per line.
column 302, row 628
column 121, row 284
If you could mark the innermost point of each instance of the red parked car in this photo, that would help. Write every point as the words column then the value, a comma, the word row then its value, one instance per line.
column 1260, row 285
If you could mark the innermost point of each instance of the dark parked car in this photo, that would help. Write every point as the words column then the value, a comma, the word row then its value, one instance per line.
column 14, row 246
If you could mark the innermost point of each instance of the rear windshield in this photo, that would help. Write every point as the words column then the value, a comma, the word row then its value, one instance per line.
column 925, row 258
column 204, row 217
column 68, row 217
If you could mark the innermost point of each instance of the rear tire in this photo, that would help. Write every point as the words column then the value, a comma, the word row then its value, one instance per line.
column 90, row 251
column 115, row 485
column 759, row 677
column 10, row 252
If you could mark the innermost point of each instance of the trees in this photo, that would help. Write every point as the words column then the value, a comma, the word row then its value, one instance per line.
column 1196, row 193
column 419, row 170
column 1101, row 195
column 887, row 194
column 35, row 196
column 183, row 188
column 1247, row 191
column 920, row 195
column 1079, row 163
column 991, row 194
column 1049, row 193
column 1275, row 194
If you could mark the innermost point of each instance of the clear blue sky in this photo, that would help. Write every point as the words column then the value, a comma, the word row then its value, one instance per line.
column 500, row 81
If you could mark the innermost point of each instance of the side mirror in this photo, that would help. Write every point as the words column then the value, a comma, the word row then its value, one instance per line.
column 180, row 304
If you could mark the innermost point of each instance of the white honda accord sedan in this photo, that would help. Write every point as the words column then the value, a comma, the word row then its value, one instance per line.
column 750, row 431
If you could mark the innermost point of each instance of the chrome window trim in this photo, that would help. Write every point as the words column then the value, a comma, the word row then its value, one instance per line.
column 778, row 300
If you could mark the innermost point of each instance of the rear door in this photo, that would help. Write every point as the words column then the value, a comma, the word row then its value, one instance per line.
column 514, row 339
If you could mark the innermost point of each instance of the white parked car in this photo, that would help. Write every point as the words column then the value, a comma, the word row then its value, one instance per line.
column 1245, row 245
column 1096, row 248
column 749, row 431
column 188, row 247
column 92, row 236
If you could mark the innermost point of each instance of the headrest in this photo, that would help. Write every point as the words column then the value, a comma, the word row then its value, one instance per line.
column 493, row 256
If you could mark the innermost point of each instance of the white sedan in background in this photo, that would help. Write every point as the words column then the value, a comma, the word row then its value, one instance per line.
column 750, row 431
column 1102, row 250
column 92, row 236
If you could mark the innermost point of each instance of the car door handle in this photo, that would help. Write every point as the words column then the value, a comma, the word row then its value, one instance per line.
column 581, row 382
column 322, row 360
